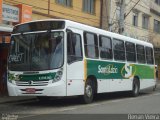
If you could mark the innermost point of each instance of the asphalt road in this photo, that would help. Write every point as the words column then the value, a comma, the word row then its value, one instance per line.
column 111, row 105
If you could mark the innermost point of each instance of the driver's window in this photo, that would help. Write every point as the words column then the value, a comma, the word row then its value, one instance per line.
column 74, row 47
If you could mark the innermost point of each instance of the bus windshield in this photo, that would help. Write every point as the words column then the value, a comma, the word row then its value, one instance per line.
column 36, row 51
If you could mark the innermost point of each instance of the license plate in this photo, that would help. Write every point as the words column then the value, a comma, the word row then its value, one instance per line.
column 30, row 90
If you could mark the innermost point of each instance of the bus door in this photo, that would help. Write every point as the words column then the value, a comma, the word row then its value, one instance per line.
column 75, row 64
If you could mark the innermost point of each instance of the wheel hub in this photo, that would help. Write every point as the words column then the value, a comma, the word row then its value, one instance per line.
column 136, row 88
column 88, row 90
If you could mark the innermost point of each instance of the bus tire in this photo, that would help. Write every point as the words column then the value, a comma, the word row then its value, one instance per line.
column 88, row 92
column 135, row 88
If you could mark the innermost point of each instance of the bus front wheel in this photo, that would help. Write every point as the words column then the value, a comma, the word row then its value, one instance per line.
column 88, row 92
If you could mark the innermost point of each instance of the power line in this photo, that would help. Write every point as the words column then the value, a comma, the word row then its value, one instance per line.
column 131, row 9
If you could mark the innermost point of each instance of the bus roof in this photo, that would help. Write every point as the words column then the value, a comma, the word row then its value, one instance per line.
column 81, row 26
column 104, row 32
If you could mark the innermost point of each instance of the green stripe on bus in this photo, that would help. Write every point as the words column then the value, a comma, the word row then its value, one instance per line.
column 33, row 77
column 115, row 70
column 37, row 77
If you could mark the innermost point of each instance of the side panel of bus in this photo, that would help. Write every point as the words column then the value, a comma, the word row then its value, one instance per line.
column 119, row 76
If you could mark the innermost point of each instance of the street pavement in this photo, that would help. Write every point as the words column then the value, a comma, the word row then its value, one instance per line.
column 111, row 106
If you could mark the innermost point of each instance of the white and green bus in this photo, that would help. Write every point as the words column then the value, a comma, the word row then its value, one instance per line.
column 65, row 58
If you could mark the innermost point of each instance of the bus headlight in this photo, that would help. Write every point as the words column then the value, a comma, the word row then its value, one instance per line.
column 58, row 75
column 12, row 78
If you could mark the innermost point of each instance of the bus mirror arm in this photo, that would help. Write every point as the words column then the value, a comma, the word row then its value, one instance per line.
column 69, row 31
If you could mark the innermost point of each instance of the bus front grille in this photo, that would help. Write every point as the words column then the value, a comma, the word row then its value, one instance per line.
column 32, row 83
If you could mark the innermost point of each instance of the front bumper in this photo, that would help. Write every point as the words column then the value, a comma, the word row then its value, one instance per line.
column 52, row 89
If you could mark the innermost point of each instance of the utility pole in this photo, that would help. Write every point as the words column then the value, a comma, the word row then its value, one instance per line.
column 121, row 20
column 110, row 15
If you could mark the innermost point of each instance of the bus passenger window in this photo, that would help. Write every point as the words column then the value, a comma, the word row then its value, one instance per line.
column 91, row 45
column 119, row 51
column 140, row 54
column 74, row 47
column 105, row 47
column 130, row 52
column 149, row 55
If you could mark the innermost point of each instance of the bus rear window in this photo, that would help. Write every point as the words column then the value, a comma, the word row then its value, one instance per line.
column 39, row 26
column 140, row 54
column 149, row 55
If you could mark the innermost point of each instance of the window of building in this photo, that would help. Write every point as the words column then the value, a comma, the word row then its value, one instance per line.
column 89, row 6
column 157, row 26
column 140, row 54
column 157, row 2
column 67, row 3
column 105, row 47
column 119, row 50
column 135, row 19
column 145, row 21
column 74, row 47
column 130, row 52
column 91, row 45
column 149, row 55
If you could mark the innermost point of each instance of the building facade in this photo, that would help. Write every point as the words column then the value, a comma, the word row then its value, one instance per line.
column 84, row 11
column 155, row 35
column 141, row 20
column 13, row 12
